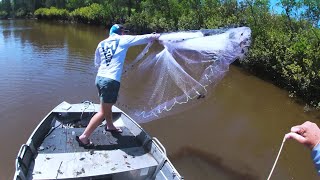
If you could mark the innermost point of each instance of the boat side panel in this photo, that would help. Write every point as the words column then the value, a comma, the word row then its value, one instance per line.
column 28, row 151
column 135, row 129
column 167, row 171
column 41, row 131
column 24, row 159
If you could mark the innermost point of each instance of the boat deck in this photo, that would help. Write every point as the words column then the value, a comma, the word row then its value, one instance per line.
column 52, row 152
column 61, row 157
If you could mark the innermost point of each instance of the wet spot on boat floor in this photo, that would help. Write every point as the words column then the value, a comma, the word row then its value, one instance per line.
column 62, row 140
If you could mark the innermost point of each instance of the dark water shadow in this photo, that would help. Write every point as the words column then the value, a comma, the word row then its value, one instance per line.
column 213, row 160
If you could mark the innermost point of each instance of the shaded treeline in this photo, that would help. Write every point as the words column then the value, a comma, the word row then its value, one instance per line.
column 285, row 45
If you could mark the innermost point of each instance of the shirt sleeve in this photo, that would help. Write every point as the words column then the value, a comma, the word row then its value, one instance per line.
column 140, row 39
column 97, row 59
column 316, row 157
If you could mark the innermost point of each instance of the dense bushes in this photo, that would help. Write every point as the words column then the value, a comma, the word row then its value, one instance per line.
column 3, row 15
column 139, row 23
column 291, row 60
column 92, row 14
column 52, row 13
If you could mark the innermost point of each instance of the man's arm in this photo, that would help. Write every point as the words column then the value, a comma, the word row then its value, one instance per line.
column 308, row 134
column 139, row 39
column 316, row 157
column 97, row 58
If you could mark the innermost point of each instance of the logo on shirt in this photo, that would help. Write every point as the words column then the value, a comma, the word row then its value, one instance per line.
column 109, row 49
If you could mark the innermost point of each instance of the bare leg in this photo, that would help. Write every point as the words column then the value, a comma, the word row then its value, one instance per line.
column 107, row 110
column 108, row 115
column 96, row 120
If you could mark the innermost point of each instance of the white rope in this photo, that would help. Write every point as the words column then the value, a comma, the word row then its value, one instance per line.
column 86, row 106
column 275, row 162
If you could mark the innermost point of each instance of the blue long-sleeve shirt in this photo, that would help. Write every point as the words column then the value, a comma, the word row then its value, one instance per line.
column 316, row 157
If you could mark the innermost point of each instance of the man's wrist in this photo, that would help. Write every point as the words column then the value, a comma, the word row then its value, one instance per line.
column 316, row 145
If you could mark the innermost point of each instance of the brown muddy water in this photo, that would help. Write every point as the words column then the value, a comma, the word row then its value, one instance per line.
column 235, row 134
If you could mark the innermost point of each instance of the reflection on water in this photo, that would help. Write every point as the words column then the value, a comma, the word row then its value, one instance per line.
column 235, row 134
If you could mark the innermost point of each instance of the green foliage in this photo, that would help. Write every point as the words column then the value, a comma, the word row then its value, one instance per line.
column 21, row 12
column 291, row 59
column 139, row 23
column 52, row 13
column 161, row 24
column 91, row 14
column 75, row 4
column 6, row 6
column 312, row 12
column 3, row 15
column 188, row 21
column 114, row 11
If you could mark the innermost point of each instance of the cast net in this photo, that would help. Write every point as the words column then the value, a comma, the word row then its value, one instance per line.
column 179, row 71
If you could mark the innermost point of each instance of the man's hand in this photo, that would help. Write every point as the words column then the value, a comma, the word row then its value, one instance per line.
column 307, row 133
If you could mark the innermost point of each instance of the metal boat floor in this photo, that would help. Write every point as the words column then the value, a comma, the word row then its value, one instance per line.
column 62, row 140
column 61, row 157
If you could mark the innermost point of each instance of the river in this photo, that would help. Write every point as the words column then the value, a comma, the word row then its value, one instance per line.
column 234, row 134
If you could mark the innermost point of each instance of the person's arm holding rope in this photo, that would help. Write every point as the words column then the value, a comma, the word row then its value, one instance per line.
column 308, row 134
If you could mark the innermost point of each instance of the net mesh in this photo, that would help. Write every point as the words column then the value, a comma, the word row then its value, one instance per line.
column 179, row 71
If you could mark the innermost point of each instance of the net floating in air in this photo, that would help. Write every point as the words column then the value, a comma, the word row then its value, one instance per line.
column 181, row 73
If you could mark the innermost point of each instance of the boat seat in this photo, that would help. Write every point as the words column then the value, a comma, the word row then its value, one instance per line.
column 23, row 161
column 93, row 163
